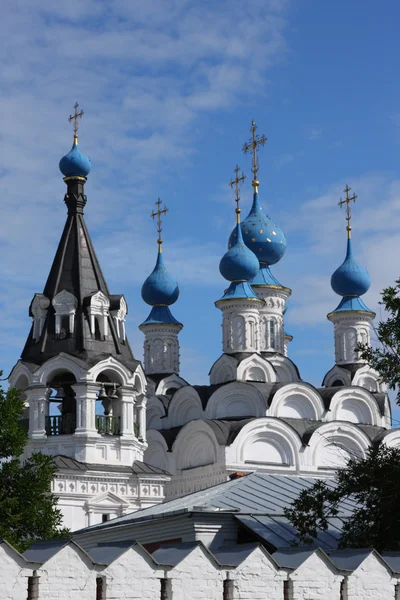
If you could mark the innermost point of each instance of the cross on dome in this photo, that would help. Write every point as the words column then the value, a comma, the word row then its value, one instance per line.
column 236, row 182
column 75, row 118
column 158, row 213
column 253, row 144
column 347, row 201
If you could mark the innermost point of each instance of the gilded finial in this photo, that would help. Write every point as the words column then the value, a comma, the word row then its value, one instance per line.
column 347, row 201
column 158, row 213
column 75, row 118
column 253, row 144
column 236, row 182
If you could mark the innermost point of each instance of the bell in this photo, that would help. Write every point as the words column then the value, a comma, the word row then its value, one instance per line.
column 107, row 403
column 102, row 393
column 114, row 395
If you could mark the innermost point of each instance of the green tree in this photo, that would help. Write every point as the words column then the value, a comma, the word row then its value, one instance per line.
column 28, row 509
column 373, row 483
column 385, row 358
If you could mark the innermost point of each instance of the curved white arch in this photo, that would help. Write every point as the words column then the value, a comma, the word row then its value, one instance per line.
column 266, row 441
column 297, row 400
column 59, row 364
column 355, row 405
column 286, row 371
column 185, row 406
column 19, row 371
column 333, row 443
column 369, row 379
column 139, row 380
column 236, row 399
column 155, row 412
column 195, row 446
column 223, row 370
column 157, row 451
column 172, row 381
column 337, row 374
column 111, row 364
column 392, row 439
column 256, row 368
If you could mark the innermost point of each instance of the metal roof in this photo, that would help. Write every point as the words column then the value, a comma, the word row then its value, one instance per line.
column 40, row 552
column 138, row 467
column 105, row 554
column 234, row 555
column 173, row 554
column 257, row 493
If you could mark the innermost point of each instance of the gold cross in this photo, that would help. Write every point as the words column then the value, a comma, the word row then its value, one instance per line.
column 254, row 142
column 75, row 118
column 347, row 201
column 158, row 214
column 235, row 182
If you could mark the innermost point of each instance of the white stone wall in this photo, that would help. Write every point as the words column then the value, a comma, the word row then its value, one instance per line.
column 132, row 576
column 196, row 578
column 255, row 575
column 68, row 575
column 315, row 579
column 14, row 573
column 371, row 580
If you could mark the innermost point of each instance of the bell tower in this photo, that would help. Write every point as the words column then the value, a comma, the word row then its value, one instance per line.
column 85, row 392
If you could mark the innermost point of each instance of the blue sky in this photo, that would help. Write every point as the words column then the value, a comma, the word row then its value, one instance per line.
column 169, row 88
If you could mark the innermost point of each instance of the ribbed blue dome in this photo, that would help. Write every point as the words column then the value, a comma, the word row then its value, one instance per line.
column 75, row 164
column 262, row 235
column 350, row 279
column 239, row 263
column 160, row 288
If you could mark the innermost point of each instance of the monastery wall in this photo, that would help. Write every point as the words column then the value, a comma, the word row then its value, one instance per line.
column 133, row 574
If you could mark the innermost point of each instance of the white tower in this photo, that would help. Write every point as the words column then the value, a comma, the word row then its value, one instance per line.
column 85, row 393
column 161, row 329
column 351, row 319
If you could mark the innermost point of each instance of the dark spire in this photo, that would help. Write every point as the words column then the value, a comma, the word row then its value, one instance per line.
column 76, row 313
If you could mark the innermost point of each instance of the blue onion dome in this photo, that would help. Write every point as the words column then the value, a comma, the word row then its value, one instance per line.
column 160, row 288
column 262, row 235
column 75, row 164
column 239, row 263
column 350, row 279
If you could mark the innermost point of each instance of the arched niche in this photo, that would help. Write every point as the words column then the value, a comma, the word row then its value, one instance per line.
column 157, row 451
column 286, row 371
column 155, row 414
column 369, row 379
column 256, row 368
column 354, row 405
column 391, row 439
column 185, row 406
column 195, row 446
column 168, row 383
column 237, row 399
column 268, row 442
column 113, row 370
column 63, row 363
column 223, row 370
column 298, row 401
column 332, row 444
column 337, row 376
column 20, row 377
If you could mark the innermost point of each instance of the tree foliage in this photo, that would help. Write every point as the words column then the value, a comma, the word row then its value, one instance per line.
column 28, row 509
column 373, row 483
column 386, row 357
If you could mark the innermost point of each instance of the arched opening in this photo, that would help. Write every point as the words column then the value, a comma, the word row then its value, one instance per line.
column 337, row 383
column 61, row 409
column 108, row 405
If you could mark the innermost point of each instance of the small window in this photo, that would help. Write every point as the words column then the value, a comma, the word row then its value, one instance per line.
column 105, row 518
column 97, row 332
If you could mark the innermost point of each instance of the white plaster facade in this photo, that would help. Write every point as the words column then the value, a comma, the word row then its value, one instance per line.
column 72, row 573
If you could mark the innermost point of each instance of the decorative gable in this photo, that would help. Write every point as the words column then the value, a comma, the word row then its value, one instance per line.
column 38, row 311
column 65, row 305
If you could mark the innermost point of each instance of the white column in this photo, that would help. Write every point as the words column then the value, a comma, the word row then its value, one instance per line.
column 161, row 347
column 272, row 335
column 350, row 329
column 127, row 411
column 85, row 397
column 38, row 398
column 240, row 324
column 141, row 402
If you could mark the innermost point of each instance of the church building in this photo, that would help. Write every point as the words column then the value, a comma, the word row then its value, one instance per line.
column 126, row 435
